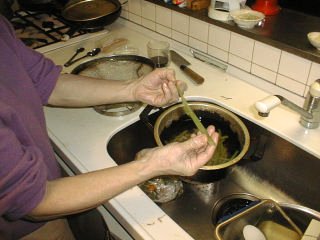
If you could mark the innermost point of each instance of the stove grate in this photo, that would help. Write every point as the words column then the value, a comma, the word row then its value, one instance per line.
column 39, row 29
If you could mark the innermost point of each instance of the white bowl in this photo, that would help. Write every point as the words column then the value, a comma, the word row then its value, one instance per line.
column 246, row 18
column 314, row 39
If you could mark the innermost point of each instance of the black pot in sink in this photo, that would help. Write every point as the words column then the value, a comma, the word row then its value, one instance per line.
column 173, row 121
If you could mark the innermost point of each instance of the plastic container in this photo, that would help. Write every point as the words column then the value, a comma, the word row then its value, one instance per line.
column 268, row 7
column 163, row 189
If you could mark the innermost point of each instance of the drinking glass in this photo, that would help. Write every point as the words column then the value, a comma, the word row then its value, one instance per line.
column 158, row 52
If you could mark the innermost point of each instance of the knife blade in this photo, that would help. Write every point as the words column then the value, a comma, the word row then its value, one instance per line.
column 183, row 65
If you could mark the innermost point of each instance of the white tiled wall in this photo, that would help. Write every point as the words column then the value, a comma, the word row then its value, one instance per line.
column 219, row 38
column 148, row 11
column 275, row 66
column 180, row 23
column 199, row 30
column 266, row 56
column 163, row 16
column 294, row 67
column 134, row 7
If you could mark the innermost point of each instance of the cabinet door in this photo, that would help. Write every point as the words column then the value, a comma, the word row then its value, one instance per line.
column 113, row 225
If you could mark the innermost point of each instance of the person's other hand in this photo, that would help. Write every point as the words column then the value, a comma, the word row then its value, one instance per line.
column 182, row 159
column 158, row 88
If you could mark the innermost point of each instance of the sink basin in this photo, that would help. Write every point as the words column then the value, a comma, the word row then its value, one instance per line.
column 275, row 169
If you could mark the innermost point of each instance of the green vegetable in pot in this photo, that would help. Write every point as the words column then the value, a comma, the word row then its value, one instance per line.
column 194, row 117
column 221, row 154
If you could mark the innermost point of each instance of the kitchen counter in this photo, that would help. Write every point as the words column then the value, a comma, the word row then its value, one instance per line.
column 286, row 30
column 80, row 135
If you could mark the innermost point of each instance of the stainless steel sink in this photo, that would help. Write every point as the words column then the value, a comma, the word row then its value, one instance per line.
column 274, row 168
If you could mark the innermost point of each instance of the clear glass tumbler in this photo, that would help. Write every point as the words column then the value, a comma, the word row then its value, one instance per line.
column 158, row 52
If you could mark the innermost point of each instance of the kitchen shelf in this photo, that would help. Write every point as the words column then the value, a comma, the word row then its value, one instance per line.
column 287, row 30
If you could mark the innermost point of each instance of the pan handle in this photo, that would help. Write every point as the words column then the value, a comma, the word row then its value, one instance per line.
column 144, row 117
column 256, row 152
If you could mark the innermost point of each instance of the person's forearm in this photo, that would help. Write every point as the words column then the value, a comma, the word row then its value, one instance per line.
column 76, row 91
column 75, row 194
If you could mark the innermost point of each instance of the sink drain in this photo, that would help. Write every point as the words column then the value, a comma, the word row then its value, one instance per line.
column 231, row 205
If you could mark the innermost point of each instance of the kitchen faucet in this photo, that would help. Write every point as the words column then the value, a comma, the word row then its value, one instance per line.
column 310, row 113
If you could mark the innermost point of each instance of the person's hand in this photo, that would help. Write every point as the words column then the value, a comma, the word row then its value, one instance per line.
column 158, row 88
column 182, row 159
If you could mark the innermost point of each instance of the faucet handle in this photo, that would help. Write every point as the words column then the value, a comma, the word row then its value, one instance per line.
column 265, row 105
column 315, row 88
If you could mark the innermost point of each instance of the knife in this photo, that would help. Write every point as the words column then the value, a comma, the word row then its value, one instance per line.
column 183, row 65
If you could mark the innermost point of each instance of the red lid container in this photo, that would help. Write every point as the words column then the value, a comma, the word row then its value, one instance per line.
column 268, row 7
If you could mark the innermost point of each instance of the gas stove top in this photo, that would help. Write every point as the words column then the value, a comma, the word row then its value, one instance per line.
column 39, row 29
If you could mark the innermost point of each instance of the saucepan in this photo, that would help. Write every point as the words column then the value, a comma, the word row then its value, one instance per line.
column 174, row 125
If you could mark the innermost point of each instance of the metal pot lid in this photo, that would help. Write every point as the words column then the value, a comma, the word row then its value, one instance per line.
column 118, row 67
column 88, row 9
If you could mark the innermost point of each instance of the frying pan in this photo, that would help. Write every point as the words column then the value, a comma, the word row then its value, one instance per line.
column 91, row 13
column 81, row 14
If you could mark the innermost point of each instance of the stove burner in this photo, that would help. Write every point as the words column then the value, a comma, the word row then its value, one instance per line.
column 34, row 42
column 39, row 29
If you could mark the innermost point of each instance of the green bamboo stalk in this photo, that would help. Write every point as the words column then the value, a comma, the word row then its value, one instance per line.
column 194, row 117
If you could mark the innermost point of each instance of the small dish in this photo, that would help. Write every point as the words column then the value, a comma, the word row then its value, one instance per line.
column 246, row 18
column 314, row 39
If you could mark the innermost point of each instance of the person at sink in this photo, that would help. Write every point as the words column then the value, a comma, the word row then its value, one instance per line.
column 34, row 198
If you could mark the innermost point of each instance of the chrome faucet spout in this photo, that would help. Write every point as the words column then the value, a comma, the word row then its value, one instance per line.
column 310, row 113
column 312, row 105
column 295, row 107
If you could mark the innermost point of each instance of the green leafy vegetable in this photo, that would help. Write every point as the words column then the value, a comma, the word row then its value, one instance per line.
column 220, row 155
